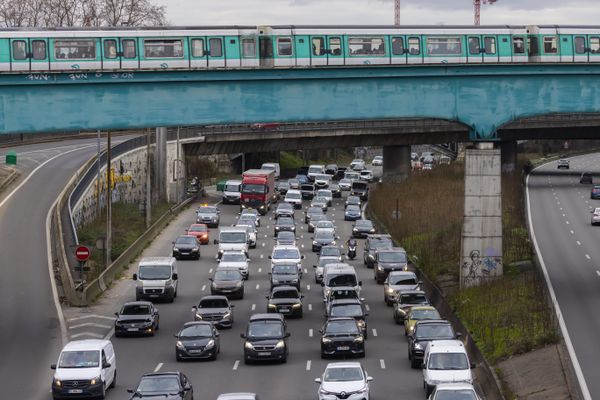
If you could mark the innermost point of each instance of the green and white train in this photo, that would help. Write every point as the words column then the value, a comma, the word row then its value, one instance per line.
column 257, row 47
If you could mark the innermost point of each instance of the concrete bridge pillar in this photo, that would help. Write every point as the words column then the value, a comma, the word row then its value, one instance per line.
column 481, row 245
column 396, row 163
column 160, row 166
column 508, row 156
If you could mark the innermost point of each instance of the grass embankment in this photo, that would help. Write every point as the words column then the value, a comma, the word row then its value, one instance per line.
column 127, row 226
column 507, row 316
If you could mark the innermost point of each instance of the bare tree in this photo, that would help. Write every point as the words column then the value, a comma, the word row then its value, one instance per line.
column 13, row 13
column 133, row 13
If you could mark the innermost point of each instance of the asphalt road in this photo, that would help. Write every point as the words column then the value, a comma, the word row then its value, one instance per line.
column 560, row 216
column 30, row 334
column 386, row 347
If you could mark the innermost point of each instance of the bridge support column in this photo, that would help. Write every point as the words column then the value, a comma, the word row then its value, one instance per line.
column 508, row 156
column 160, row 165
column 396, row 163
column 481, row 245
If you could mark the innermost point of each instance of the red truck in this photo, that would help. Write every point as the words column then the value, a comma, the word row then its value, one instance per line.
column 258, row 190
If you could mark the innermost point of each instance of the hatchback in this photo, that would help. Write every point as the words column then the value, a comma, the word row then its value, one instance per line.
column 586, row 178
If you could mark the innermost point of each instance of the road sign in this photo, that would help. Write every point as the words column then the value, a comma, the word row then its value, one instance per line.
column 82, row 253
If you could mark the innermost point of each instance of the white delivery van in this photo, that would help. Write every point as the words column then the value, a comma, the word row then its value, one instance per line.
column 445, row 361
column 272, row 167
column 232, row 192
column 156, row 279
column 234, row 238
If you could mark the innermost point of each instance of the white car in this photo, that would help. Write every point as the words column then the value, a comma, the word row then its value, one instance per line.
column 445, row 361
column 294, row 197
column 348, row 378
column 326, row 193
column 288, row 255
column 357, row 165
column 596, row 216
column 325, row 225
column 377, row 161
column 366, row 175
column 345, row 184
column 235, row 259
column 251, row 228
column 454, row 391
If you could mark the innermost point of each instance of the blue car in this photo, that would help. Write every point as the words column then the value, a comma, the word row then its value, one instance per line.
column 352, row 213
column 302, row 178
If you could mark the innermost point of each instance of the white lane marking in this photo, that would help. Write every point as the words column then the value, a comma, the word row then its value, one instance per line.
column 305, row 271
column 310, row 307
column 158, row 367
column 367, row 307
column 579, row 243
column 253, row 307
column 558, row 203
column 260, row 270
column 563, row 326
column 567, row 222
column 301, row 236
column 564, row 215
column 90, row 316
column 203, row 288
column 263, row 245
column 87, row 334
column 257, row 286
column 586, row 202
column 90, row 324
column 572, row 233
column 302, row 228
column 307, row 287
column 588, row 257
column 308, row 365
column 382, row 363
column 561, row 209
column 302, row 245
column 597, row 272
column 266, row 236
column 374, row 332
column 310, row 333
column 262, row 256
column 210, row 271
column 236, row 364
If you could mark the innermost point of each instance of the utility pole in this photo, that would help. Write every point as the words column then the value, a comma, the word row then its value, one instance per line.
column 477, row 8
column 177, row 197
column 109, row 185
column 397, row 12
column 99, row 181
column 148, row 180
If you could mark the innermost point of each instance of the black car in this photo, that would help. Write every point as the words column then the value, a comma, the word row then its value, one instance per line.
column 388, row 260
column 307, row 191
column 424, row 332
column 215, row 309
column 285, row 275
column 284, row 224
column 266, row 338
column 352, row 201
column 208, row 215
column 285, row 300
column 228, row 281
column 331, row 169
column 313, row 221
column 310, row 212
column 362, row 228
column 197, row 340
column 406, row 300
column 284, row 210
column 342, row 336
column 286, row 238
column 586, row 178
column 352, row 213
column 164, row 385
column 282, row 187
column 186, row 246
column 137, row 318
column 339, row 174
column 323, row 237
column 335, row 190
column 352, row 308
column 595, row 193
column 374, row 242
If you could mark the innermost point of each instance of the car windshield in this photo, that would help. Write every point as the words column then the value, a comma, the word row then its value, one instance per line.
column 346, row 310
column 352, row 208
column 158, row 384
column 402, row 280
column 226, row 275
column 381, row 243
column 445, row 361
column 280, row 254
column 286, row 235
column 324, row 193
column 330, row 251
column 233, row 237
column 317, row 217
column 392, row 257
column 344, row 327
column 233, row 257
column 154, row 272
column 250, row 188
column 135, row 309
column 412, row 298
column 232, row 188
column 213, row 303
column 246, row 219
column 200, row 330
column 284, row 294
column 345, row 181
column 207, row 210
column 324, row 235
column 284, row 269
column 293, row 196
column 293, row 181
column 353, row 200
column 186, row 240
column 198, row 228
column 315, row 170
column 420, row 315
column 265, row 329
column 455, row 394
column 285, row 221
column 434, row 331
column 324, row 261
column 322, row 177
column 314, row 210
column 324, row 224
column 343, row 374
column 359, row 185
column 284, row 207
column 364, row 223
column 342, row 280
column 343, row 294
column 319, row 200
column 79, row 359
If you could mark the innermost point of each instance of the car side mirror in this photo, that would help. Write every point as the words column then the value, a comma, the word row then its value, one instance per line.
column 267, row 297
column 135, row 277
column 287, row 335
column 269, row 273
column 369, row 378
column 129, row 390
column 323, row 284
column 174, row 276
column 176, row 336
column 217, row 334
column 359, row 283
column 52, row 366
column 216, row 241
column 232, row 306
column 106, row 365
column 117, row 314
column 423, row 365
column 301, row 296
column 362, row 299
column 318, row 380
column 321, row 331
column 420, row 282
column 473, row 365
column 243, row 336
column 366, row 314
column 458, row 335
column 210, row 279
column 194, row 309
column 172, row 242
column 302, row 257
column 270, row 258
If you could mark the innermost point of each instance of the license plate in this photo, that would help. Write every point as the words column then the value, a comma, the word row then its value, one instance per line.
column 264, row 353
column 342, row 348
column 153, row 295
column 195, row 351
column 284, row 309
column 75, row 390
column 133, row 329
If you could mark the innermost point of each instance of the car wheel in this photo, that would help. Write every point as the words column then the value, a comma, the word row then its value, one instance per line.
column 172, row 298
column 177, row 358
column 413, row 363
column 138, row 297
column 103, row 393
column 114, row 381
column 157, row 324
column 213, row 357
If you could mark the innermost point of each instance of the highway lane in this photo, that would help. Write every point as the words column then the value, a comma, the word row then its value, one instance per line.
column 30, row 334
column 386, row 347
column 560, row 217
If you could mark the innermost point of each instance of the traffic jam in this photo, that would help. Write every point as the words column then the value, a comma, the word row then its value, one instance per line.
column 306, row 243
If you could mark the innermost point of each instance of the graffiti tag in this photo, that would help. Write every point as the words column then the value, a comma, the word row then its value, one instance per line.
column 37, row 77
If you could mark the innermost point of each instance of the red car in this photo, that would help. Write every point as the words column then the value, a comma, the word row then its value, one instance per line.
column 200, row 231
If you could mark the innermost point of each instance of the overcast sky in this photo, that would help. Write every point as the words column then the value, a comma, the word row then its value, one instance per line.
column 413, row 12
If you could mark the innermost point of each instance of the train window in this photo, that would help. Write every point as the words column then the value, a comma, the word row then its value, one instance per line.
column 163, row 48
column 579, row 45
column 335, row 46
column 318, row 46
column 414, row 46
column 595, row 45
column 39, row 49
column 489, row 44
column 550, row 45
column 284, row 46
column 443, row 46
column 248, row 48
column 216, row 48
column 19, row 50
column 129, row 50
column 110, row 48
column 518, row 45
column 75, row 49
column 397, row 46
column 197, row 47
column 474, row 45
column 360, row 46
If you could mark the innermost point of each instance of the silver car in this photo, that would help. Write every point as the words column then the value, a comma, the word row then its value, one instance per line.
column 235, row 259
column 398, row 281
column 344, row 380
column 596, row 216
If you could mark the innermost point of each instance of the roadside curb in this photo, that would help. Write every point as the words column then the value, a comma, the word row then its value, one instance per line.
column 14, row 174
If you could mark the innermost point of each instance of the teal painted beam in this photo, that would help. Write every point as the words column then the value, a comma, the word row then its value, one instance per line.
column 482, row 97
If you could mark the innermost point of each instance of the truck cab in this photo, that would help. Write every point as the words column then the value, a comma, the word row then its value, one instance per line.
column 258, row 190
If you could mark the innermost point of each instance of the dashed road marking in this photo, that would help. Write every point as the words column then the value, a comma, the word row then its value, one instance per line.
column 158, row 367
column 210, row 271
column 263, row 245
column 308, row 365
column 382, row 363
column 572, row 233
column 262, row 256
column 236, row 364
column 307, row 287
column 302, row 245
column 301, row 236
column 259, row 270
column 567, row 222
column 310, row 307
column 564, row 215
column 87, row 334
column 266, row 236
column 579, row 243
column 588, row 257
column 597, row 272
column 91, row 316
column 90, row 324
column 257, row 286
column 203, row 288
column 253, row 307
column 305, row 271
column 310, row 333
column 367, row 307
column 374, row 332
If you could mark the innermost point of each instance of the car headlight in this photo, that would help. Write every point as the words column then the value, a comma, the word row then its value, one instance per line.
column 418, row 346
column 323, row 391
column 277, row 228
column 226, row 315
column 95, row 380
column 372, row 231
column 359, row 339
column 272, row 307
column 280, row 344
column 175, row 249
column 379, row 267
column 239, row 284
column 297, row 306
column 411, row 329
column 325, row 340
column 195, row 249
column 354, row 230
column 198, row 316
column 180, row 345
column 249, row 346
column 57, row 382
column 389, row 290
column 315, row 242
column 333, row 242
column 361, row 323
column 210, row 344
column 294, row 280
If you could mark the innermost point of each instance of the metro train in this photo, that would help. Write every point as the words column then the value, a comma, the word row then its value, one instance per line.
column 260, row 47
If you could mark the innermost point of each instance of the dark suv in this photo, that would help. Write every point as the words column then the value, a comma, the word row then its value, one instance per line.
column 307, row 191
column 586, row 178
column 374, row 242
column 342, row 336
column 405, row 300
column 424, row 332
column 388, row 260
column 266, row 338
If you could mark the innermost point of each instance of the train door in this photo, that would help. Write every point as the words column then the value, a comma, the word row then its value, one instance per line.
column 594, row 48
column 130, row 53
column 249, row 49
column 399, row 50
column 111, row 54
column 29, row 54
column 216, row 58
column 519, row 49
column 318, row 51
column 265, row 48
column 415, row 50
column 335, row 52
column 198, row 53
column 232, row 52
column 482, row 49
column 586, row 48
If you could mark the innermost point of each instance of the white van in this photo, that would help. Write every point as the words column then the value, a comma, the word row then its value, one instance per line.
column 234, row 238
column 232, row 192
column 85, row 368
column 445, row 361
column 272, row 167
column 314, row 170
column 339, row 274
column 156, row 279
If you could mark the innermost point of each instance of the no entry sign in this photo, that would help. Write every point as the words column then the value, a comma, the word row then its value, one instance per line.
column 82, row 253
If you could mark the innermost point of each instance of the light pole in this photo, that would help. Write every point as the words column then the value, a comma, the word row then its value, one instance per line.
column 108, row 201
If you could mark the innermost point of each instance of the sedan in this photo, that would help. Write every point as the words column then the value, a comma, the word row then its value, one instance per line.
column 366, row 175
column 320, row 202
column 315, row 220
column 454, row 391
column 352, row 200
column 253, row 215
column 595, row 193
column 294, row 197
column 405, row 301
column 286, row 238
column 235, row 259
column 197, row 340
column 562, row 163
column 419, row 313
column 596, row 216
column 137, row 318
column 310, row 212
column 186, row 246
column 285, row 275
column 378, row 160
column 344, row 380
column 166, row 385
column 325, row 224
column 586, row 178
column 345, row 184
column 251, row 229
column 323, row 238
column 215, row 309
column 284, row 224
column 320, row 267
column 362, row 228
column 331, row 251
column 284, row 210
column 342, row 336
column 208, row 215
column 282, row 187
column 293, row 183
column 227, row 282
column 327, row 194
column 200, row 231
column 285, row 300
column 352, row 213
column 336, row 191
